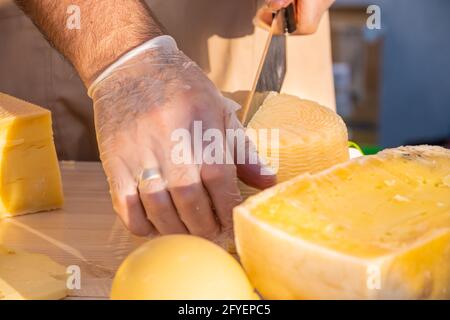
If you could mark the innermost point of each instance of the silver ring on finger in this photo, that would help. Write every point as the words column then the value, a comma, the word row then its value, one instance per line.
column 149, row 174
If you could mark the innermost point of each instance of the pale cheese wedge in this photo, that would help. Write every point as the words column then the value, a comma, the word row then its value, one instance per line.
column 30, row 179
column 375, row 227
column 29, row 276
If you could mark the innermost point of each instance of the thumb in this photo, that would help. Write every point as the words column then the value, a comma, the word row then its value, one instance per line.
column 252, row 169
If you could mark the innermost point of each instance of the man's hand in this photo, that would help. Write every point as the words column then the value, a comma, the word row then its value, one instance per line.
column 138, row 106
column 137, row 109
column 309, row 12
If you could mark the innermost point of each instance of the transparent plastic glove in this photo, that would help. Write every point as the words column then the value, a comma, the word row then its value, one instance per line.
column 139, row 102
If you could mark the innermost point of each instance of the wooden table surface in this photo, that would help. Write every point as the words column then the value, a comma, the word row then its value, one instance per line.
column 86, row 232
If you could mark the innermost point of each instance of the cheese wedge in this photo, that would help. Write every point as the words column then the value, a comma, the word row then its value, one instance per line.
column 311, row 137
column 27, row 276
column 30, row 180
column 375, row 227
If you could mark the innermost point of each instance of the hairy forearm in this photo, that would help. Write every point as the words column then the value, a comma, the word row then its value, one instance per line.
column 108, row 29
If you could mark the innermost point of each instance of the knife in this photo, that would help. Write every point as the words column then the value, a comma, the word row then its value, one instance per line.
column 272, row 66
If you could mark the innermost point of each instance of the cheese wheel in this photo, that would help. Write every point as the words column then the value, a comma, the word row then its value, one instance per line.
column 311, row 137
column 181, row 267
column 375, row 227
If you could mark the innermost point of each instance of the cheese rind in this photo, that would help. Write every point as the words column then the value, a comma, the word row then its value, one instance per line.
column 30, row 179
column 311, row 137
column 373, row 227
column 28, row 276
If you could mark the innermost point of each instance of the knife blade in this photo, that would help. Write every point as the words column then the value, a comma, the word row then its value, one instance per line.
column 271, row 69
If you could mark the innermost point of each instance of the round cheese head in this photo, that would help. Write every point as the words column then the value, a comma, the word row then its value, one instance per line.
column 181, row 267
column 311, row 137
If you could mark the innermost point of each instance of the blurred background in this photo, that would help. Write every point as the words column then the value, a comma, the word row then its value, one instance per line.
column 393, row 84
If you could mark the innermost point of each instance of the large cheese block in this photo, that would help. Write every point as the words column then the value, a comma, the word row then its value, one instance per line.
column 30, row 180
column 375, row 227
column 28, row 276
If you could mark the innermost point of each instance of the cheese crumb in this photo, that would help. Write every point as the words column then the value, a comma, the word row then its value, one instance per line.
column 446, row 180
column 401, row 198
column 390, row 183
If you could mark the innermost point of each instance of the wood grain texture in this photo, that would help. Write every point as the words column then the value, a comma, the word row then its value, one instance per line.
column 86, row 232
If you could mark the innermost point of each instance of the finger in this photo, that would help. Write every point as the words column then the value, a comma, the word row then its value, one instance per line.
column 278, row 4
column 220, row 181
column 125, row 197
column 264, row 17
column 309, row 14
column 251, row 169
column 218, row 171
column 191, row 199
column 159, row 207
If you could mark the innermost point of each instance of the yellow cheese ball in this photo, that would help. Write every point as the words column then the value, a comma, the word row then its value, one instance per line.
column 181, row 267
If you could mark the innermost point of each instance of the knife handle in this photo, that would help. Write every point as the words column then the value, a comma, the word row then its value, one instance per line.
column 290, row 19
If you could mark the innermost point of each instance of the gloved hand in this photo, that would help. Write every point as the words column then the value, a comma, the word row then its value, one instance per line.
column 309, row 13
column 140, row 103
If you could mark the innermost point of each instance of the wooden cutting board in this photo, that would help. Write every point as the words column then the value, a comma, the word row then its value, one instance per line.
column 86, row 232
